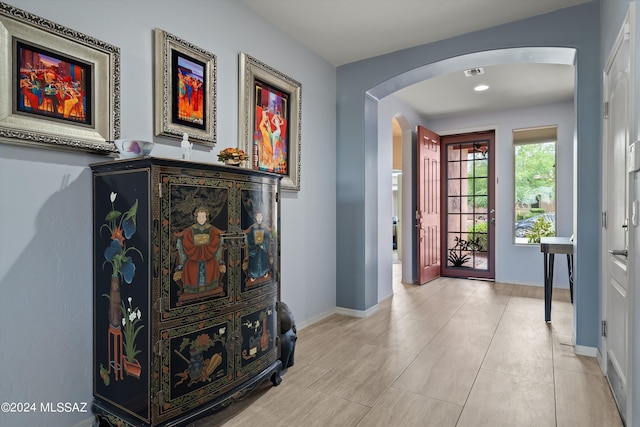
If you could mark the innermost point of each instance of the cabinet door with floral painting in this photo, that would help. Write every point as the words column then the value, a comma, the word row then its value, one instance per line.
column 121, row 303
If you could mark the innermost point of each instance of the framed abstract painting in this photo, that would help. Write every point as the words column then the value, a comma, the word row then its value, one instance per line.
column 185, row 90
column 270, row 105
column 59, row 88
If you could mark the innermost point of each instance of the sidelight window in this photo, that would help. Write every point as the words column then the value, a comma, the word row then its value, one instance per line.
column 535, row 183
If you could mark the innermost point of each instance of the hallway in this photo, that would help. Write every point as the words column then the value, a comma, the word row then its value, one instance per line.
column 449, row 353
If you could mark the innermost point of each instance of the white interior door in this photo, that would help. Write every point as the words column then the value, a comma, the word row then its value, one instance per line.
column 617, row 301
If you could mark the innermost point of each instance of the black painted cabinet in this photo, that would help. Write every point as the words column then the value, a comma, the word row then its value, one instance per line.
column 186, row 282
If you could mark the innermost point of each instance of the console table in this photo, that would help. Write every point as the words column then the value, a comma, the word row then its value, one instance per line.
column 550, row 246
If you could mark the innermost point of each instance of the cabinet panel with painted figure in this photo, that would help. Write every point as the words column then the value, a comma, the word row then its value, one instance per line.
column 259, row 222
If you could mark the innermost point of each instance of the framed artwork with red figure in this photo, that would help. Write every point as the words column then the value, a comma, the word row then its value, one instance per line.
column 185, row 90
column 59, row 88
column 270, row 120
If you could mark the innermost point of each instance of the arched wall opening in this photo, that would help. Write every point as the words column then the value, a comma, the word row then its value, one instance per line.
column 537, row 55
column 362, row 85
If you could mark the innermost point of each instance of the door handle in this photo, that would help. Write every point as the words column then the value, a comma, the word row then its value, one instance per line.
column 622, row 252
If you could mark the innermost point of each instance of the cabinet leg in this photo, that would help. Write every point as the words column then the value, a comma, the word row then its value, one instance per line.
column 276, row 379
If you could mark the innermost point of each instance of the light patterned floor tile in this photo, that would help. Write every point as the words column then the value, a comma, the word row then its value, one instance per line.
column 403, row 408
column 498, row 399
column 443, row 373
column 584, row 400
column 564, row 357
column 366, row 375
column 525, row 324
column 314, row 408
column 434, row 312
column 407, row 335
column 489, row 296
column 470, row 329
column 525, row 357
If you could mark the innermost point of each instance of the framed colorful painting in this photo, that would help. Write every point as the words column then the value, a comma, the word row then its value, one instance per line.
column 185, row 90
column 270, row 120
column 58, row 88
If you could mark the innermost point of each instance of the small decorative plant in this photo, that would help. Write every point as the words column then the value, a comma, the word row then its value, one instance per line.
column 131, row 318
column 480, row 234
column 231, row 153
column 458, row 255
column 541, row 228
column 121, row 226
column 202, row 343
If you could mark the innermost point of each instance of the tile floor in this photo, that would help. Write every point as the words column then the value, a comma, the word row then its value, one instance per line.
column 449, row 353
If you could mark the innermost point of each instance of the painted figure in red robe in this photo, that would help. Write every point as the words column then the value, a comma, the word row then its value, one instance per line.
column 204, row 265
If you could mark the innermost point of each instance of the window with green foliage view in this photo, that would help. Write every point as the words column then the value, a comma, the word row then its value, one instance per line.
column 535, row 183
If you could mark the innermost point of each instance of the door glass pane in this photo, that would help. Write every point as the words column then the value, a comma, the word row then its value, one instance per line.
column 467, row 211
column 480, row 186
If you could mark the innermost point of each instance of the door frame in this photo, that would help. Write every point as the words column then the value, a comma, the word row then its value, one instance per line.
column 445, row 139
column 627, row 30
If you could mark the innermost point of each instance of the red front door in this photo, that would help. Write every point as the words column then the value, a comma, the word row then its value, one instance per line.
column 468, row 214
column 428, row 208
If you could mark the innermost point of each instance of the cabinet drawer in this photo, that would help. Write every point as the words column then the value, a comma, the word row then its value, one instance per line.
column 258, row 329
column 193, row 365
column 203, row 360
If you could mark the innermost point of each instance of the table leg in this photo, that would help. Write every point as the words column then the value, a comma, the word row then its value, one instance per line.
column 570, row 268
column 548, row 285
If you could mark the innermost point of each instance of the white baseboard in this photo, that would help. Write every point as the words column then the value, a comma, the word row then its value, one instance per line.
column 601, row 363
column 315, row 319
column 337, row 310
column 586, row 351
column 357, row 313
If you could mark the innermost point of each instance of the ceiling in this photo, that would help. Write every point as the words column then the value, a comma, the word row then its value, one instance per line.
column 344, row 31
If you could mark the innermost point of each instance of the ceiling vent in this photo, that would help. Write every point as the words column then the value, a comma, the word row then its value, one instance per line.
column 473, row 72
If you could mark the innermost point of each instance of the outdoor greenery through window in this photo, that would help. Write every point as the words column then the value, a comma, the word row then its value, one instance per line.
column 535, row 183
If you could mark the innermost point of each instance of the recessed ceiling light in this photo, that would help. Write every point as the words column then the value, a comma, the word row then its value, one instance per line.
column 481, row 88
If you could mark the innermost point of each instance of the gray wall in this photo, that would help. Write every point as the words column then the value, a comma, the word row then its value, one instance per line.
column 357, row 147
column 45, row 195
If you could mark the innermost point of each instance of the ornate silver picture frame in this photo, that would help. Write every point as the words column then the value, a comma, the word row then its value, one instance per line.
column 185, row 89
column 269, row 120
column 59, row 88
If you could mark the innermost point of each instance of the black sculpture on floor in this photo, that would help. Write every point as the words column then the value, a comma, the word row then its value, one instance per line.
column 288, row 335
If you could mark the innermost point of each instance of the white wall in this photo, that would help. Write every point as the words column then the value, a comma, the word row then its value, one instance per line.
column 522, row 264
column 45, row 195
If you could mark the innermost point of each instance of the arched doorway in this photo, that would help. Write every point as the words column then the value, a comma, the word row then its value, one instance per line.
column 564, row 56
